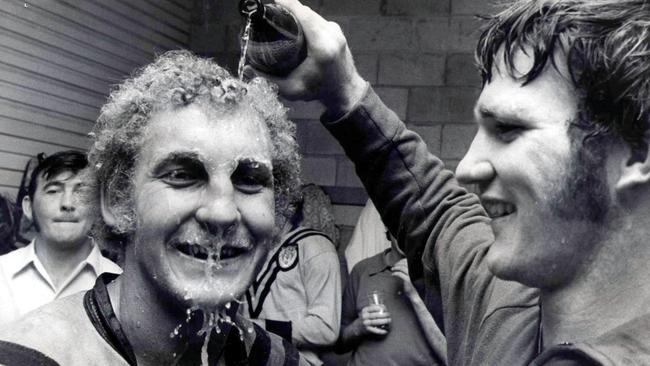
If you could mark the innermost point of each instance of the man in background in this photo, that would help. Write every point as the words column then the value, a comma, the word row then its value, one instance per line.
column 384, row 320
column 62, row 259
column 297, row 294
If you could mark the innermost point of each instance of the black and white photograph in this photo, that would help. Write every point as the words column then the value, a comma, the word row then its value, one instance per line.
column 325, row 182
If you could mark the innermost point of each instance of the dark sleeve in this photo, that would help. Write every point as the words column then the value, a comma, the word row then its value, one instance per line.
column 12, row 354
column 443, row 229
column 349, row 307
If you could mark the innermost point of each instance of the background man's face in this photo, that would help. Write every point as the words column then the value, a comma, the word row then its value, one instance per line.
column 203, row 191
column 530, row 179
column 61, row 210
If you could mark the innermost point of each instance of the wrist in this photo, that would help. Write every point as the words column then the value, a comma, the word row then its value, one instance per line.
column 344, row 94
column 357, row 328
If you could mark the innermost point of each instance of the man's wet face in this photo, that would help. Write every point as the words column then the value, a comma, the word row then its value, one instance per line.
column 534, row 182
column 203, row 191
column 60, row 210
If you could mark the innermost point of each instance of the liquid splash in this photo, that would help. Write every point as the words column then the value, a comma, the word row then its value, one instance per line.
column 215, row 320
column 244, row 46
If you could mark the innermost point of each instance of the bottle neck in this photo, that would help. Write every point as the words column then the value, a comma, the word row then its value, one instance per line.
column 252, row 8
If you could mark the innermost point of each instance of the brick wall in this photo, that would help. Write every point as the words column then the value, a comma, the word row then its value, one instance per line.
column 418, row 54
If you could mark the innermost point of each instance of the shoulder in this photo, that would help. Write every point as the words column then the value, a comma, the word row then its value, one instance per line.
column 58, row 319
column 313, row 242
column 17, row 255
column 374, row 263
column 62, row 331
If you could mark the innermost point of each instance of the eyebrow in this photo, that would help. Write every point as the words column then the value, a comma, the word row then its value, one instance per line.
column 52, row 183
column 504, row 115
column 252, row 164
column 178, row 157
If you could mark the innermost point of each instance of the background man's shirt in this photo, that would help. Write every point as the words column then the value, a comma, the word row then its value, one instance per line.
column 405, row 343
column 25, row 285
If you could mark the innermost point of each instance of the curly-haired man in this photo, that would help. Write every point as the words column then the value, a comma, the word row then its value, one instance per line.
column 193, row 169
column 561, row 165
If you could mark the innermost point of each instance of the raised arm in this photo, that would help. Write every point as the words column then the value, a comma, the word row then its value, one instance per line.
column 443, row 229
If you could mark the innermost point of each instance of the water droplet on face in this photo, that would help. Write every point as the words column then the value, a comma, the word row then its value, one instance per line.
column 175, row 332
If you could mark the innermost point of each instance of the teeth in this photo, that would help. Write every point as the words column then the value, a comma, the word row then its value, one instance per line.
column 194, row 250
column 202, row 252
column 229, row 252
column 498, row 209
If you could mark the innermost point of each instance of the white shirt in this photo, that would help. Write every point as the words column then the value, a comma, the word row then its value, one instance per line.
column 25, row 284
column 368, row 238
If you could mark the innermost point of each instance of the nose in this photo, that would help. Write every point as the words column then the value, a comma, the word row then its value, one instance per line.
column 218, row 211
column 475, row 167
column 68, row 201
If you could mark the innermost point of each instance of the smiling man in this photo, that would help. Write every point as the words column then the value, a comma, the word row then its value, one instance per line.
column 562, row 166
column 62, row 259
column 194, row 170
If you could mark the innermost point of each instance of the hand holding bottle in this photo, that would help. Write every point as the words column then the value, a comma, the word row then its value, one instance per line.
column 272, row 38
column 328, row 74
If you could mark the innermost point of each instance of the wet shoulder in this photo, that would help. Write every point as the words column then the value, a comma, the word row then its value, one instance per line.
column 49, row 326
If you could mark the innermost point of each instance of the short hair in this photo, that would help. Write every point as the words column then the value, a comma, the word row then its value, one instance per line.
column 176, row 79
column 63, row 161
column 606, row 43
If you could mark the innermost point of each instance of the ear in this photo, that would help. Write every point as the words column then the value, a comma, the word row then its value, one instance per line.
column 634, row 175
column 108, row 213
column 27, row 208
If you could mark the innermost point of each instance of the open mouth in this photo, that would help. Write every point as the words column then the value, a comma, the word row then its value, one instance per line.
column 499, row 209
column 201, row 252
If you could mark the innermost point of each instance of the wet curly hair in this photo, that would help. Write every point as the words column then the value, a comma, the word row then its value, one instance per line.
column 607, row 48
column 176, row 79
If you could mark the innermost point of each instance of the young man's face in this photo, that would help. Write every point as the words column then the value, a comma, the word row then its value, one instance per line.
column 532, row 180
column 203, row 191
column 60, row 210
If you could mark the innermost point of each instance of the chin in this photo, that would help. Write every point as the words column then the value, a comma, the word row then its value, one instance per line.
column 504, row 265
column 212, row 296
column 526, row 271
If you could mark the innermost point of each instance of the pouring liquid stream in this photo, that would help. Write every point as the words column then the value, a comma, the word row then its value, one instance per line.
column 244, row 46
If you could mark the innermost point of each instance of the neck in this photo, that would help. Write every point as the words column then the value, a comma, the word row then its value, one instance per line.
column 60, row 262
column 159, row 335
column 610, row 291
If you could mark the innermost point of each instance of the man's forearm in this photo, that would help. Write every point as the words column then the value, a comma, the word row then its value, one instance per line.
column 350, row 336
column 417, row 197
column 314, row 331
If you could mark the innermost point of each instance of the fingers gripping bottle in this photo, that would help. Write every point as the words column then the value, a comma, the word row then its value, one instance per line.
column 276, row 43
